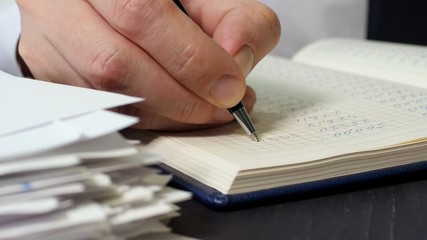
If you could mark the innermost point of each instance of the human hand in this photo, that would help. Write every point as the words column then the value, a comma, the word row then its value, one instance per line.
column 189, row 70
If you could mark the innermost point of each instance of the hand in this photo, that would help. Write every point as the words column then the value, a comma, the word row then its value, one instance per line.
column 188, row 70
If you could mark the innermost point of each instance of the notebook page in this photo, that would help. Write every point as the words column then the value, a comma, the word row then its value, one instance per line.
column 303, row 114
column 400, row 63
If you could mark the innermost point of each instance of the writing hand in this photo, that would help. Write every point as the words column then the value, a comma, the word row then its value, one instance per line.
column 189, row 70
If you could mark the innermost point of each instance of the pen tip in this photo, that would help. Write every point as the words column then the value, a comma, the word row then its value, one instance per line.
column 255, row 137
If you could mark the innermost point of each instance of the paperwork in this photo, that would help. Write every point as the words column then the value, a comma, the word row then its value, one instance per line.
column 65, row 172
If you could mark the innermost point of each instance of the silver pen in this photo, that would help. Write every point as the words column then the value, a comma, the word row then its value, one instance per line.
column 239, row 111
column 242, row 117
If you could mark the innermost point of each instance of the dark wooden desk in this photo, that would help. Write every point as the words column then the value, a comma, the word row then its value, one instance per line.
column 394, row 212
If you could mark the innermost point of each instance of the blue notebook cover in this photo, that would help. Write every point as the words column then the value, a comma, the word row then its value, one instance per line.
column 217, row 200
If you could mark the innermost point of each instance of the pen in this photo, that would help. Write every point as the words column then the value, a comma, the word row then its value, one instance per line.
column 239, row 111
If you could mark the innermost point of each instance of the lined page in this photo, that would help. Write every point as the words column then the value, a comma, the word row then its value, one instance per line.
column 303, row 114
column 400, row 63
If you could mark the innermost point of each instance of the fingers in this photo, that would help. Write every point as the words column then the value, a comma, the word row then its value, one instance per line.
column 160, row 54
column 237, row 24
column 179, row 45
column 109, row 61
column 245, row 58
column 148, row 120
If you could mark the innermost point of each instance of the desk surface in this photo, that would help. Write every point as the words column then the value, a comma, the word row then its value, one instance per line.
column 387, row 211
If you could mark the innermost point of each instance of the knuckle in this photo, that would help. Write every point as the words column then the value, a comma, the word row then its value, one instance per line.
column 107, row 69
column 132, row 15
column 190, row 62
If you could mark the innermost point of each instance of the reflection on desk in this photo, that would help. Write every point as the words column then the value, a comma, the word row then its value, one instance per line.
column 379, row 211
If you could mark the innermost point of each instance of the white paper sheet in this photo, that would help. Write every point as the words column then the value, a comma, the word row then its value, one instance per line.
column 61, row 133
column 28, row 103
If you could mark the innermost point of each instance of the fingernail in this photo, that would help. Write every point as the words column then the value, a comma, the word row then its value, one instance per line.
column 228, row 91
column 245, row 58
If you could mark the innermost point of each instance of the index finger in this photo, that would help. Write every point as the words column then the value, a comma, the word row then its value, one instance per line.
column 179, row 45
column 234, row 24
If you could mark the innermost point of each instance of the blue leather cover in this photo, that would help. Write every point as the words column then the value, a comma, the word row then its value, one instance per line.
column 218, row 200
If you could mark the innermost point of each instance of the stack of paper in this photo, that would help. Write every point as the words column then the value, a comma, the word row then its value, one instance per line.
column 65, row 172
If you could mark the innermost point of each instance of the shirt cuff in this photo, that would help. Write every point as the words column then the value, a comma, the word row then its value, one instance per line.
column 10, row 28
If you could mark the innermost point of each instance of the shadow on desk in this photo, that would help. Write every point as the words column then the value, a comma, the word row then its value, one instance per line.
column 393, row 208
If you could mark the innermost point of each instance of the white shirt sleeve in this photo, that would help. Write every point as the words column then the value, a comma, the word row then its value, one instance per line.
column 10, row 28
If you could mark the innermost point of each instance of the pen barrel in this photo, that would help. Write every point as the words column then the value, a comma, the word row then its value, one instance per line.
column 239, row 112
column 236, row 108
column 179, row 4
column 242, row 117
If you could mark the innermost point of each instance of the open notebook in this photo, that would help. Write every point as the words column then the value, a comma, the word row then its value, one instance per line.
column 340, row 111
